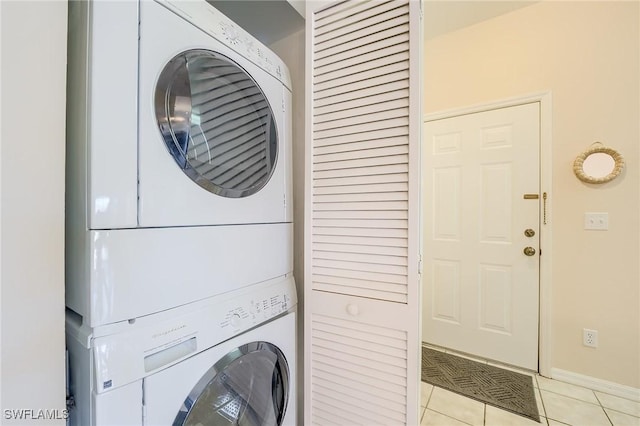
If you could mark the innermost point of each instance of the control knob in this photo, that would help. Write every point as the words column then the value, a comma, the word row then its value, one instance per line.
column 235, row 320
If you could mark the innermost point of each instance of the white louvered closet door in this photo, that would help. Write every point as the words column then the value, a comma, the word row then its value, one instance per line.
column 362, row 211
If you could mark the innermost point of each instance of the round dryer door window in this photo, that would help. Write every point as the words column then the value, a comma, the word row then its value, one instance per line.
column 216, row 123
column 248, row 387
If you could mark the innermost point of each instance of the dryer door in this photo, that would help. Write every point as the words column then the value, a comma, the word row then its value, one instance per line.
column 247, row 387
column 216, row 123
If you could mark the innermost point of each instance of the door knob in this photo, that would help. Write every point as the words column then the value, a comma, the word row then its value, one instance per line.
column 529, row 251
column 352, row 309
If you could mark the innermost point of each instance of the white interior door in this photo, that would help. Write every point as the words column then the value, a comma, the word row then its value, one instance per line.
column 481, row 228
column 362, row 294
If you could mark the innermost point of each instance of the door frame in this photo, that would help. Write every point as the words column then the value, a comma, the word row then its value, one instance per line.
column 545, row 331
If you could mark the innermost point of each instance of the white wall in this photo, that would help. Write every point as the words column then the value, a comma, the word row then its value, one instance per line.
column 34, row 43
column 588, row 55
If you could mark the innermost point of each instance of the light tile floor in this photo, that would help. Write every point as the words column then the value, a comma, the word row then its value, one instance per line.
column 559, row 404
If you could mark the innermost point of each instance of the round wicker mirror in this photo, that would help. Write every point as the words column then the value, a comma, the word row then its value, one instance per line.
column 598, row 164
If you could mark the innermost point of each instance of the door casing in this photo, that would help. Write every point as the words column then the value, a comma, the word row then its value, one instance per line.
column 545, row 99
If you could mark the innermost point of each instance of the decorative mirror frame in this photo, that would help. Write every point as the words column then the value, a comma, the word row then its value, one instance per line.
column 597, row 147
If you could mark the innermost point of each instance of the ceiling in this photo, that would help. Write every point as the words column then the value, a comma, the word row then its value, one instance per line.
column 272, row 20
column 266, row 20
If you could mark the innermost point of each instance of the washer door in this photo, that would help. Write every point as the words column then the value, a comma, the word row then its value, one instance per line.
column 247, row 387
column 216, row 123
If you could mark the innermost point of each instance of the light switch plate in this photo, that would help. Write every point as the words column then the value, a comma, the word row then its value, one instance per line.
column 596, row 221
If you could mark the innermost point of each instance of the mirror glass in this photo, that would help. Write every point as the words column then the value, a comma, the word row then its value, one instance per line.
column 598, row 165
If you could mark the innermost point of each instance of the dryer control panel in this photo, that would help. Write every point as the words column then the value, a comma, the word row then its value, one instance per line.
column 210, row 20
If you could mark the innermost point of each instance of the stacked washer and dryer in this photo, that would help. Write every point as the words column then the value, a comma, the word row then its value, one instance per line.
column 180, row 294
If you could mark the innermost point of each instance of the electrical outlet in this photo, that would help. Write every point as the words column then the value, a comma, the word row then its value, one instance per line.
column 590, row 338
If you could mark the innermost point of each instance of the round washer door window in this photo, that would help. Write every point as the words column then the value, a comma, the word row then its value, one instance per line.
column 248, row 387
column 216, row 123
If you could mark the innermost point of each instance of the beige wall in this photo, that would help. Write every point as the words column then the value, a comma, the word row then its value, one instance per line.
column 34, row 46
column 587, row 55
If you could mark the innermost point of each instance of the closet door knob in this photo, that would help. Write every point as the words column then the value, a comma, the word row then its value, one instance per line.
column 353, row 309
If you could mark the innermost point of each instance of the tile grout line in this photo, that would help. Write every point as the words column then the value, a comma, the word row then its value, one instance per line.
column 570, row 397
column 605, row 408
column 426, row 406
column 446, row 415
column 544, row 409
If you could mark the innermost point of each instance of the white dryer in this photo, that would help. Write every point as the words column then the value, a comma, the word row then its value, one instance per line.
column 177, row 118
column 230, row 362
column 178, row 159
column 214, row 139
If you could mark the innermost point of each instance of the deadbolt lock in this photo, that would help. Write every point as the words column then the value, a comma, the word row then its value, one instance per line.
column 529, row 251
column 529, row 232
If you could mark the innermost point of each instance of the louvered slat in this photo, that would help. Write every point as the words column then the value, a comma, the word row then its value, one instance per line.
column 348, row 82
column 362, row 223
column 370, row 120
column 350, row 387
column 351, row 57
column 365, row 188
column 363, row 86
column 364, row 205
column 361, row 214
column 362, row 249
column 363, row 388
column 380, row 414
column 380, row 259
column 364, row 136
column 359, row 284
column 374, row 16
column 328, row 177
column 362, row 275
column 361, row 240
column 369, row 293
column 353, row 360
column 346, row 101
column 327, row 372
column 366, row 196
column 338, row 14
column 387, row 55
column 362, row 109
column 359, row 36
column 350, row 66
column 360, row 180
column 352, row 355
column 363, row 292
column 363, row 153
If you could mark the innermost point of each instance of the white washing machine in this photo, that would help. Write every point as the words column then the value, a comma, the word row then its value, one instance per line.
column 230, row 362
column 178, row 158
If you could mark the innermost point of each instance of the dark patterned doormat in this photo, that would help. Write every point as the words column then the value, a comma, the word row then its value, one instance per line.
column 504, row 389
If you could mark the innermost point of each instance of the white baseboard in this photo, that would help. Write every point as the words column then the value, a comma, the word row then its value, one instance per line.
column 593, row 383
